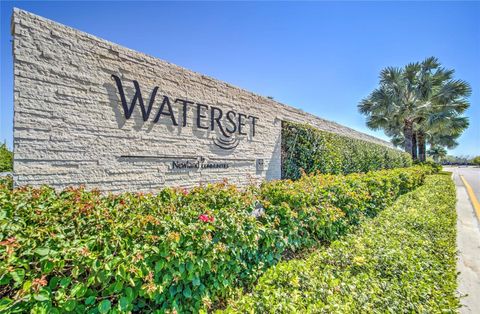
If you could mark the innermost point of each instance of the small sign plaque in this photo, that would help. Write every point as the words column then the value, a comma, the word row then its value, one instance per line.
column 259, row 164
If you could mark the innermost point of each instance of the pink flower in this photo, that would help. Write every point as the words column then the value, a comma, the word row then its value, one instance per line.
column 206, row 218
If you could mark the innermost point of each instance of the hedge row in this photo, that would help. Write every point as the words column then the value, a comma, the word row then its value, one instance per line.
column 403, row 261
column 307, row 149
column 6, row 159
column 80, row 251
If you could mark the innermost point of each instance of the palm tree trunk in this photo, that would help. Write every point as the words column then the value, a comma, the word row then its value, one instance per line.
column 408, row 134
column 421, row 146
column 414, row 146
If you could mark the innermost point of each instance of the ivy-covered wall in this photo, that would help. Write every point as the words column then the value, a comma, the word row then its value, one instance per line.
column 307, row 149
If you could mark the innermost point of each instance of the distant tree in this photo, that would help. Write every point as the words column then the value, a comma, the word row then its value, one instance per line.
column 418, row 104
column 437, row 153
column 457, row 159
column 476, row 160
column 6, row 159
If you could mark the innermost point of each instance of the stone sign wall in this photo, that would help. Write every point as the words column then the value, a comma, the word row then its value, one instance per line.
column 87, row 111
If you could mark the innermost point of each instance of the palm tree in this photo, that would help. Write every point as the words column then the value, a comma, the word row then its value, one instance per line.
column 437, row 152
column 445, row 131
column 413, row 105
column 392, row 106
column 444, row 101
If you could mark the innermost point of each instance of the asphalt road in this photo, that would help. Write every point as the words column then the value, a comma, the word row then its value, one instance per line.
column 471, row 174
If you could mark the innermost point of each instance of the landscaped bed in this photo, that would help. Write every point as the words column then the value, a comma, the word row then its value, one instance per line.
column 402, row 261
column 177, row 250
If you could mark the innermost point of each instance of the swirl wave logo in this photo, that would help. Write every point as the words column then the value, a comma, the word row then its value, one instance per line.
column 227, row 143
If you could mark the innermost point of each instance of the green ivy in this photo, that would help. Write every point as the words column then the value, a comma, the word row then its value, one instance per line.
column 403, row 261
column 307, row 149
column 84, row 252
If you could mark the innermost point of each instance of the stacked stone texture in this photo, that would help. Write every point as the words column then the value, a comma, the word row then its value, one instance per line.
column 70, row 129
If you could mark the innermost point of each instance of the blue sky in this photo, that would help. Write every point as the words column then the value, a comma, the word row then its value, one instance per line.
column 322, row 57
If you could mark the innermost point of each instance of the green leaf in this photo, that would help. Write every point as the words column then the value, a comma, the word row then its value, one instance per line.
column 129, row 293
column 187, row 293
column 5, row 303
column 190, row 266
column 196, row 281
column 172, row 290
column 53, row 310
column 65, row 282
column 123, row 303
column 118, row 286
column 42, row 251
column 53, row 282
column 70, row 305
column 159, row 266
column 90, row 300
column 47, row 266
column 18, row 275
column 26, row 285
column 104, row 306
column 79, row 290
column 4, row 280
column 43, row 295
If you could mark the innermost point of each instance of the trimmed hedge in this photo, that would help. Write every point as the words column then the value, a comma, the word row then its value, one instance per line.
column 308, row 149
column 80, row 251
column 322, row 207
column 6, row 159
column 403, row 261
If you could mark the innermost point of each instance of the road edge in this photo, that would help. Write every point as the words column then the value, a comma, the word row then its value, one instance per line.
column 471, row 195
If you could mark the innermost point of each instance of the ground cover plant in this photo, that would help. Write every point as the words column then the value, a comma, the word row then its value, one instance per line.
column 402, row 261
column 175, row 251
column 308, row 149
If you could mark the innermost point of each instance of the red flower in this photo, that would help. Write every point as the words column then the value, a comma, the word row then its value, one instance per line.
column 11, row 244
column 9, row 241
column 39, row 283
column 206, row 218
column 185, row 191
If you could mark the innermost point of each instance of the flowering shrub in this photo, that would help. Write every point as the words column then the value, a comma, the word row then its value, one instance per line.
column 81, row 251
column 402, row 261
column 305, row 148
